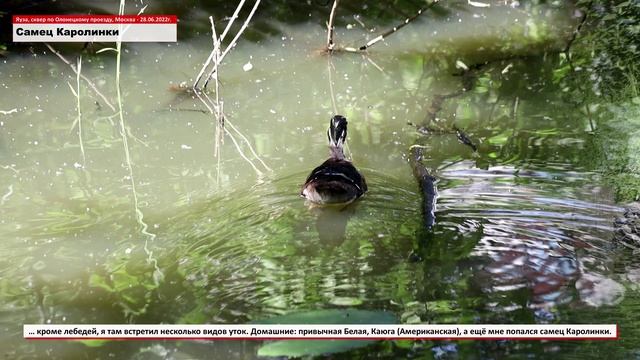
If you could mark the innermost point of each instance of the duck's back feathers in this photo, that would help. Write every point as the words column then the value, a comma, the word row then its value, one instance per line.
column 336, row 181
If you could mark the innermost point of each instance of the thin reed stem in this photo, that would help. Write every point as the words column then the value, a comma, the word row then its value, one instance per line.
column 233, row 42
column 219, row 41
column 158, row 276
column 330, row 27
column 216, row 106
column 91, row 84
column 84, row 158
column 330, row 69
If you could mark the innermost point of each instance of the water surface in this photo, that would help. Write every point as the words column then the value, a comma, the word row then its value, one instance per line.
column 524, row 226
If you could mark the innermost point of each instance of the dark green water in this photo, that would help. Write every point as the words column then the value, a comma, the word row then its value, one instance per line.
column 524, row 226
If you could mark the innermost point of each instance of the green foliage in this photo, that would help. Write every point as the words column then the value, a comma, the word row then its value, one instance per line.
column 600, row 76
column 615, row 44
column 620, row 156
column 332, row 316
column 297, row 348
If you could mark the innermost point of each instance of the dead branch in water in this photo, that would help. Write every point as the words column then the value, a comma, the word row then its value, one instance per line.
column 426, row 128
column 330, row 47
column 393, row 30
column 463, row 138
column 330, row 28
column 216, row 43
column 231, row 45
column 427, row 183
column 215, row 106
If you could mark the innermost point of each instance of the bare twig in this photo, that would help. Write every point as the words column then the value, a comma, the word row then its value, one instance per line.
column 7, row 112
column 91, row 84
column 7, row 195
column 463, row 138
column 215, row 107
column 373, row 63
column 84, row 158
column 406, row 22
column 233, row 42
column 218, row 105
column 242, row 153
column 576, row 31
column 330, row 69
column 218, row 41
column 202, row 96
column 330, row 28
column 10, row 167
column 248, row 144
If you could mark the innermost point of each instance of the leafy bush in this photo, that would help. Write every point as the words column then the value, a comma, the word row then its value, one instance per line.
column 614, row 46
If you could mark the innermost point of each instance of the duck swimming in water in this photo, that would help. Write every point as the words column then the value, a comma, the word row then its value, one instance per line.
column 336, row 181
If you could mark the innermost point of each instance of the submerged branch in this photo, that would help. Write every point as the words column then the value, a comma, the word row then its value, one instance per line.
column 426, row 181
column 463, row 138
column 427, row 184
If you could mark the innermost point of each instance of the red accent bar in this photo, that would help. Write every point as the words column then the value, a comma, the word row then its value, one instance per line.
column 95, row 19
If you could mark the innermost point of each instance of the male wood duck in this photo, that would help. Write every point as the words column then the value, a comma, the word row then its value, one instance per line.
column 336, row 181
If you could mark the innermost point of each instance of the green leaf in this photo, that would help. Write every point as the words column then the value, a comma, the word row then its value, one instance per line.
column 297, row 348
column 404, row 344
column 98, row 281
column 499, row 139
column 93, row 343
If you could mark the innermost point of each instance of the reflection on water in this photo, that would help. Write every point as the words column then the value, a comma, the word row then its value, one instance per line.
column 523, row 226
column 554, row 247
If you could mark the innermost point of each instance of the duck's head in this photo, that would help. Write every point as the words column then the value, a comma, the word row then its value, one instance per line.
column 337, row 132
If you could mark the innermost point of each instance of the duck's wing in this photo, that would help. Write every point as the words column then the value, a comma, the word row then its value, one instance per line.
column 338, row 170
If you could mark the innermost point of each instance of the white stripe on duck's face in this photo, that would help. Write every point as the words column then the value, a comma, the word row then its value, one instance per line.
column 337, row 132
